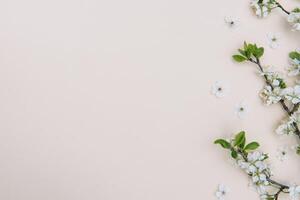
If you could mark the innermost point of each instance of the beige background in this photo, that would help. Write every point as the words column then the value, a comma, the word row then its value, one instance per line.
column 110, row 100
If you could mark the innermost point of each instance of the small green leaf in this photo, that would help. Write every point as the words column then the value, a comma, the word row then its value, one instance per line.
column 245, row 45
column 259, row 52
column 294, row 55
column 298, row 150
column 297, row 10
column 251, row 48
column 242, row 52
column 234, row 154
column 239, row 138
column 242, row 144
column 282, row 84
column 223, row 143
column 239, row 58
column 251, row 146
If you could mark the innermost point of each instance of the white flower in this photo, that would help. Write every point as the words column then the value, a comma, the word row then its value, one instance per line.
column 261, row 189
column 219, row 89
column 251, row 169
column 275, row 82
column 294, row 192
column 294, row 69
column 294, row 19
column 241, row 110
column 273, row 40
column 292, row 94
column 271, row 96
column 261, row 166
column 262, row 8
column 282, row 153
column 255, row 156
column 242, row 164
column 285, row 129
column 260, row 178
column 221, row 192
column 231, row 22
column 272, row 75
column 260, row 11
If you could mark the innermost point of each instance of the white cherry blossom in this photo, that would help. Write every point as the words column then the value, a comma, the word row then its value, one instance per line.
column 241, row 110
column 232, row 22
column 220, row 89
column 292, row 94
column 273, row 40
column 221, row 192
column 294, row 192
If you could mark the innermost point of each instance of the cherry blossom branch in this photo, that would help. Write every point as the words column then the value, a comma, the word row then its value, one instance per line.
column 254, row 164
column 284, row 106
column 275, row 183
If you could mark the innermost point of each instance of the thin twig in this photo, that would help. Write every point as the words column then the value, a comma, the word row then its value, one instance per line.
column 282, row 8
column 283, row 105
column 277, row 194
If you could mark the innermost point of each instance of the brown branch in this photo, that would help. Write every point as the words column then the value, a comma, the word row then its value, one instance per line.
column 282, row 8
column 282, row 103
column 277, row 194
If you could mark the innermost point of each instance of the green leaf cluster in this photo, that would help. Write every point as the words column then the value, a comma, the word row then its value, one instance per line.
column 238, row 144
column 249, row 51
column 294, row 55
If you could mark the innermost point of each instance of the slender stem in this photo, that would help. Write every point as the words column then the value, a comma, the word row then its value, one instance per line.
column 277, row 184
column 295, row 108
column 277, row 194
column 283, row 105
column 282, row 8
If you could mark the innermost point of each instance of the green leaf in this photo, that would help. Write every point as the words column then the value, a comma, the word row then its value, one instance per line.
column 245, row 45
column 239, row 138
column 242, row 143
column 251, row 146
column 298, row 150
column 259, row 52
column 242, row 52
column 297, row 10
column 294, row 55
column 234, row 154
column 282, row 84
column 223, row 143
column 239, row 58
column 251, row 48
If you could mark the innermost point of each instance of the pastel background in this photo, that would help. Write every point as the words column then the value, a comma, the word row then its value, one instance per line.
column 110, row 100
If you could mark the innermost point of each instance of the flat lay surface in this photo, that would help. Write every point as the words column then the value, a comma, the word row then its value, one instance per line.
column 112, row 100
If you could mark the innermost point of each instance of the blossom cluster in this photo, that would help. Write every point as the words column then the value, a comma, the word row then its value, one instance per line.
column 287, row 127
column 255, row 165
column 294, row 19
column 272, row 93
column 276, row 89
column 253, row 162
column 294, row 192
column 262, row 8
column 294, row 68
